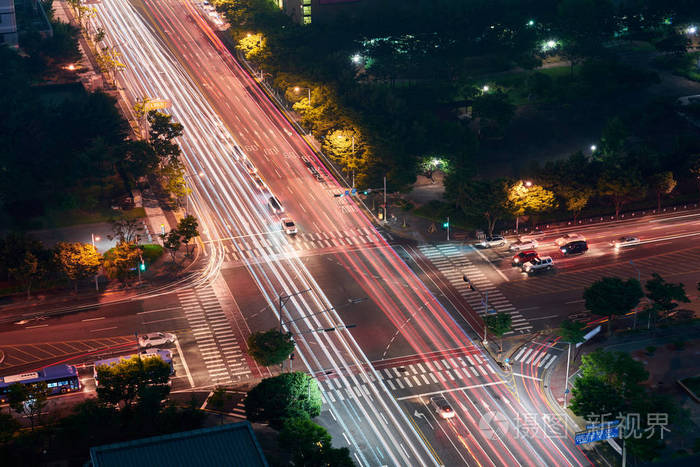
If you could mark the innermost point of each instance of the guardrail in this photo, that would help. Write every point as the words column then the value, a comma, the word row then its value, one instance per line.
column 599, row 220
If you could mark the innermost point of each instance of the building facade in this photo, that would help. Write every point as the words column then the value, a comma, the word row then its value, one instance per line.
column 8, row 23
column 319, row 11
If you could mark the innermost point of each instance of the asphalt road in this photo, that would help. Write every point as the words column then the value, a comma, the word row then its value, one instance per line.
column 406, row 347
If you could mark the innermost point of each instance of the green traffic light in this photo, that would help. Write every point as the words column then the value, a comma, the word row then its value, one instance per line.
column 142, row 266
column 446, row 224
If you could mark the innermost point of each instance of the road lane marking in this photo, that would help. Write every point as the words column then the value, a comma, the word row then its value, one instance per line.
column 528, row 377
column 159, row 310
column 103, row 329
column 574, row 301
column 93, row 319
column 543, row 317
column 490, row 263
column 161, row 320
column 449, row 390
column 37, row 326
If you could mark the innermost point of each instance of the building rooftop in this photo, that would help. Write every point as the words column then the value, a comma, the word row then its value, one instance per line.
column 231, row 444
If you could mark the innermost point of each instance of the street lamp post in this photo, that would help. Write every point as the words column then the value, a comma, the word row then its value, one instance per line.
column 484, row 299
column 95, row 239
column 297, row 89
column 566, row 376
column 283, row 299
column 351, row 301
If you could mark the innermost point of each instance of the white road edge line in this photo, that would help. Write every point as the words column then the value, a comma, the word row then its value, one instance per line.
column 490, row 263
column 184, row 363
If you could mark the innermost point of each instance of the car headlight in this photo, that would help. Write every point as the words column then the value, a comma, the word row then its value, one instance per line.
column 563, row 250
column 516, row 260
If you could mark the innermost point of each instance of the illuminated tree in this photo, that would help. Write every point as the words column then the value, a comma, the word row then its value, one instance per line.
column 529, row 198
column 172, row 241
column 78, row 260
column 134, row 379
column 347, row 147
column 162, row 133
column 121, row 261
column 109, row 61
column 662, row 183
column 499, row 324
column 254, row 47
column 576, row 197
column 271, row 347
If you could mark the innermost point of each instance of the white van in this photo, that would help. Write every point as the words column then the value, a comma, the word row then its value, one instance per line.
column 274, row 205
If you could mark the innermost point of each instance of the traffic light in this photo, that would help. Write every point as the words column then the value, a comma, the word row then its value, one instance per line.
column 367, row 191
column 446, row 224
column 142, row 266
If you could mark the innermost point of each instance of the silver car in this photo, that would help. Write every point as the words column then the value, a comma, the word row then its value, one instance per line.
column 490, row 242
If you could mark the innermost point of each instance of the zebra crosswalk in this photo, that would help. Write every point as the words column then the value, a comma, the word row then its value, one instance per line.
column 458, row 370
column 454, row 264
column 214, row 336
column 537, row 358
column 246, row 248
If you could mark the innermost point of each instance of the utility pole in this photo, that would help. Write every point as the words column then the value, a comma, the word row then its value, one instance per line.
column 566, row 376
column 448, row 228
column 97, row 287
column 386, row 213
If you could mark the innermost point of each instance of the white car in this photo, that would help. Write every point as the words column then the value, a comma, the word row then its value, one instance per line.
column 544, row 263
column 252, row 170
column 624, row 241
column 520, row 245
column 442, row 407
column 288, row 226
column 568, row 238
column 490, row 242
column 155, row 338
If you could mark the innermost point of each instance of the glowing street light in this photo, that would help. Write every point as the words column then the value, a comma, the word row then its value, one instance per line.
column 356, row 59
column 297, row 89
column 485, row 88
column 549, row 45
column 531, row 23
column 593, row 148
column 528, row 183
column 691, row 30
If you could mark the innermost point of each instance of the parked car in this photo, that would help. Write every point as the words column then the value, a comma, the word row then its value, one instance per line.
column 564, row 239
column 490, row 242
column 523, row 257
column 624, row 241
column 535, row 265
column 155, row 338
column 442, row 407
column 288, row 226
column 523, row 245
column 578, row 247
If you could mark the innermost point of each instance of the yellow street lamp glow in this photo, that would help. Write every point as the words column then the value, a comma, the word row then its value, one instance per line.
column 296, row 89
column 528, row 183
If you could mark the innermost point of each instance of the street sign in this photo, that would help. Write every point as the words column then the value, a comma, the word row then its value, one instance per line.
column 584, row 437
column 354, row 191
column 347, row 192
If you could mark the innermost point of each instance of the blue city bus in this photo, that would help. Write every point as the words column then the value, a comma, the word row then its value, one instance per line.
column 164, row 354
column 59, row 379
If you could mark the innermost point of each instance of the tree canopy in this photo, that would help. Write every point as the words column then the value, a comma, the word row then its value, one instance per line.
column 270, row 347
column 134, row 379
column 287, row 395
column 612, row 296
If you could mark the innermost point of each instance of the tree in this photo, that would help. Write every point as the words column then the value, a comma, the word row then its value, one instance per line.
column 125, row 230
column 572, row 331
column 576, row 197
column 27, row 271
column 78, row 260
column 347, row 147
column 662, row 183
column 310, row 444
column 172, row 241
column 123, row 383
column 611, row 296
column 187, row 227
column 254, row 47
column 664, row 294
column 593, row 396
column 271, row 347
column 694, row 168
column 498, row 325
column 173, row 179
column 616, row 369
column 283, row 396
column 109, row 61
column 482, row 198
column 621, row 187
column 162, row 131
column 495, row 111
column 8, row 427
column 529, row 198
column 28, row 400
column 120, row 261
column 614, row 138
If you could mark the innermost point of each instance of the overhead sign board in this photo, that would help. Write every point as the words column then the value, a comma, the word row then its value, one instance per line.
column 155, row 104
column 591, row 436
